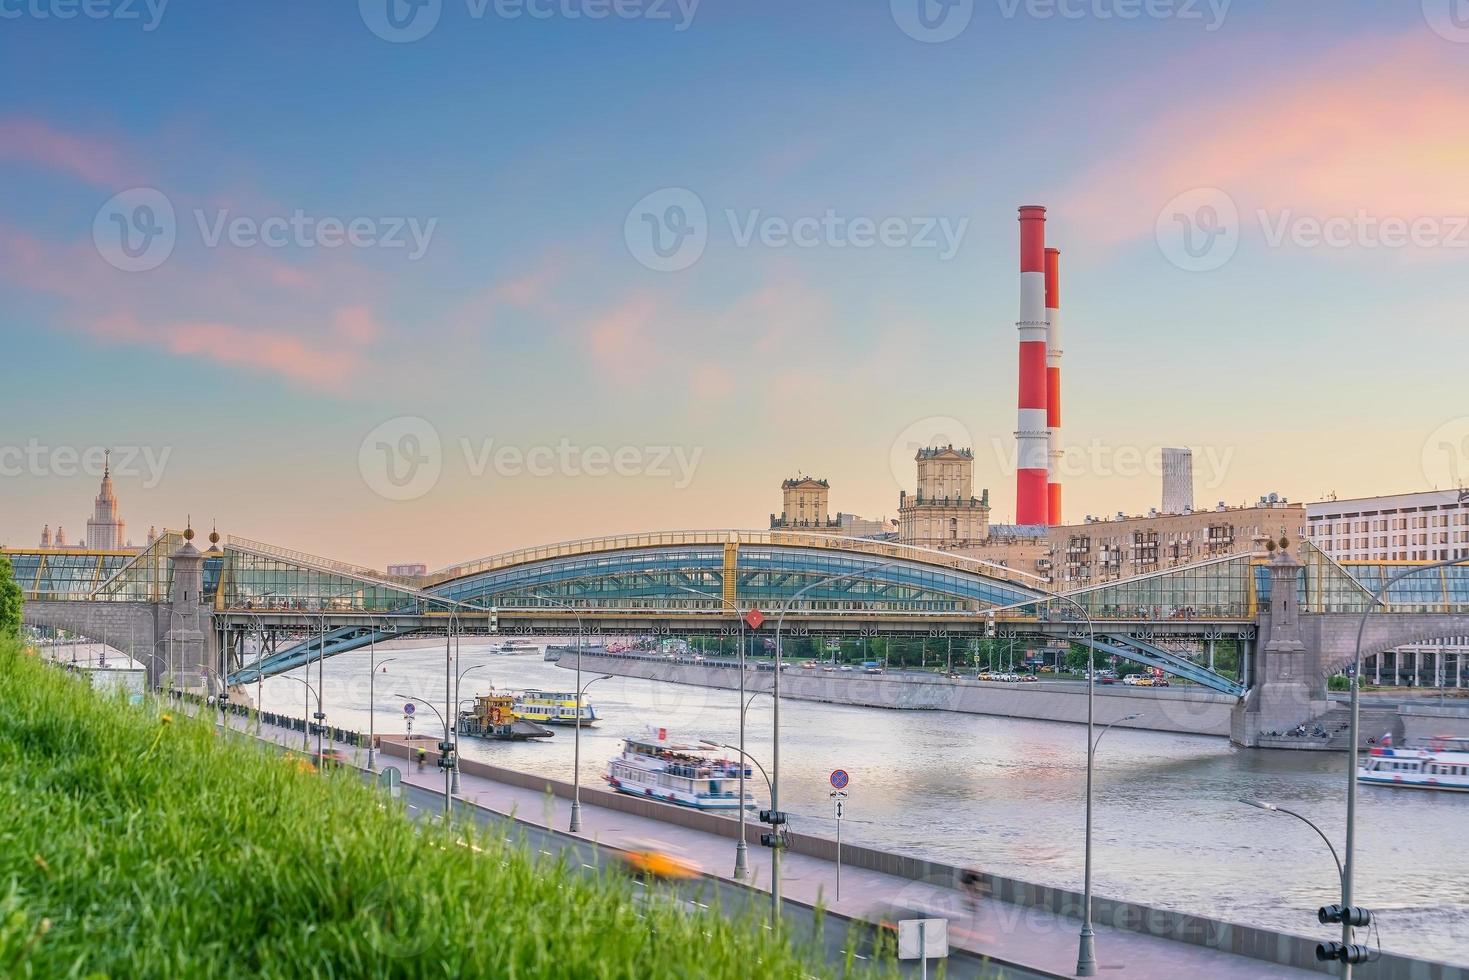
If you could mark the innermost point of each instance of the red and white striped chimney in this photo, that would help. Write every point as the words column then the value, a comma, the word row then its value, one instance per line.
column 1053, row 385
column 1031, row 501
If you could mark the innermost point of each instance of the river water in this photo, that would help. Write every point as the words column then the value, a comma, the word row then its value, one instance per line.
column 1006, row 795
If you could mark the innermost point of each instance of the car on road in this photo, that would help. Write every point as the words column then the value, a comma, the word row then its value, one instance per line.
column 1106, row 679
column 829, row 669
column 873, row 670
column 845, row 668
column 647, row 859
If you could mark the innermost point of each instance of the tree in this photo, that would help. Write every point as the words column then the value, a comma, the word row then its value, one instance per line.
column 10, row 600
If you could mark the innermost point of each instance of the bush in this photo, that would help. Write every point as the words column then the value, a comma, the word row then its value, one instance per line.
column 10, row 600
column 139, row 843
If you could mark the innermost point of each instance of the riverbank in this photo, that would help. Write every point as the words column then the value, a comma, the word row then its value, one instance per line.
column 1186, row 711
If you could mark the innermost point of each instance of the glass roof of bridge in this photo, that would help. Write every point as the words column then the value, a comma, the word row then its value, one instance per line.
column 53, row 575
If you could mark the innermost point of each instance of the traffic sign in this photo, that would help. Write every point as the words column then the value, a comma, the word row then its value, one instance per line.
column 839, row 779
column 754, row 618
column 408, row 708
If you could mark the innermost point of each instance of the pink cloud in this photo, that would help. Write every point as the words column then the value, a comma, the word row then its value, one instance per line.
column 1368, row 126
column 38, row 143
column 620, row 340
column 229, row 344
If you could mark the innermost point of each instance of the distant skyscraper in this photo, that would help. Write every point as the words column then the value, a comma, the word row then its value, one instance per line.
column 1178, row 480
column 106, row 531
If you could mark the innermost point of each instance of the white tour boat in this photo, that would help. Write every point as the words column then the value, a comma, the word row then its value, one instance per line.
column 1441, row 763
column 656, row 767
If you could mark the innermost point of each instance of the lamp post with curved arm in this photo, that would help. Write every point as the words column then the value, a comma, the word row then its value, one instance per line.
column 775, row 726
column 575, row 826
column 1262, row 805
column 457, row 681
column 306, row 730
column 1352, row 753
column 742, row 863
column 373, row 664
column 448, row 790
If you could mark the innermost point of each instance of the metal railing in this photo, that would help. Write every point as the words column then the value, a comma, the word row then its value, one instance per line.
column 796, row 539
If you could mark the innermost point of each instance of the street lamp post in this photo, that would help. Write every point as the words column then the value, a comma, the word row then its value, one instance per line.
column 742, row 863
column 373, row 664
column 575, row 826
column 1086, row 956
column 306, row 734
column 448, row 790
column 775, row 728
column 1349, row 864
column 457, row 681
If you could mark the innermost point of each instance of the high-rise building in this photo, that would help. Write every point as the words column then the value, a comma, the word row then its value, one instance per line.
column 106, row 531
column 1178, row 481
column 944, row 513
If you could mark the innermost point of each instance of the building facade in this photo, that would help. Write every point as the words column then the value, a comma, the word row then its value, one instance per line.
column 1108, row 549
column 1431, row 526
column 944, row 513
column 805, row 506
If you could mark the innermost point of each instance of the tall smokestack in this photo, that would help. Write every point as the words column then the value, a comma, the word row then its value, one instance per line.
column 1053, row 385
column 1031, row 503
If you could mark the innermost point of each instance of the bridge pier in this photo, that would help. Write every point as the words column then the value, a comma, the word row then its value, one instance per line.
column 1285, row 686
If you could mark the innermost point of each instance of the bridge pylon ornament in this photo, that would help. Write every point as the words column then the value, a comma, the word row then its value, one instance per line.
column 1287, row 689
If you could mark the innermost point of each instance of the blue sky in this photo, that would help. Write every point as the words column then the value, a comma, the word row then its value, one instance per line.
column 519, row 146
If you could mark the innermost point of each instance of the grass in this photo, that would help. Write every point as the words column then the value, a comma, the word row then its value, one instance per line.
column 139, row 843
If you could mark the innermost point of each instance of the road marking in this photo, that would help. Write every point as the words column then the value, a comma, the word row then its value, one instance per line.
column 589, row 867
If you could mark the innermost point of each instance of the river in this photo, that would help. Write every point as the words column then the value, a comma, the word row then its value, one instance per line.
column 1007, row 795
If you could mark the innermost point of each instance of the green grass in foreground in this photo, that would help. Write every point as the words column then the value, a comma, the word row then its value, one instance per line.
column 138, row 844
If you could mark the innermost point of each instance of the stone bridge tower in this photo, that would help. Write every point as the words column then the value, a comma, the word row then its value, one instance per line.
column 187, row 617
column 1287, row 689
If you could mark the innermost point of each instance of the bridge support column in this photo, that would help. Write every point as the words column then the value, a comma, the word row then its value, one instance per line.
column 1285, row 689
column 187, row 619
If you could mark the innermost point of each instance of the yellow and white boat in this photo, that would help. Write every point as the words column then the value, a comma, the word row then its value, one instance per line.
column 554, row 708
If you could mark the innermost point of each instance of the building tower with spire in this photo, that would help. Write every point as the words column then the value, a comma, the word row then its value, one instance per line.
column 106, row 531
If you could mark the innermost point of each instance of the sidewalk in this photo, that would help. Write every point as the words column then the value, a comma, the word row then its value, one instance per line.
column 1033, row 938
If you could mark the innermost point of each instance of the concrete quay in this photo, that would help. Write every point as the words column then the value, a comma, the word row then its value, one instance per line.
column 1020, row 924
column 1185, row 710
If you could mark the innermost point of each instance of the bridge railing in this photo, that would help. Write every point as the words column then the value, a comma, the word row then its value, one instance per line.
column 798, row 539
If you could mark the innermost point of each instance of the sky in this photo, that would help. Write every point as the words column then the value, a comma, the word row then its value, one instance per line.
column 427, row 280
